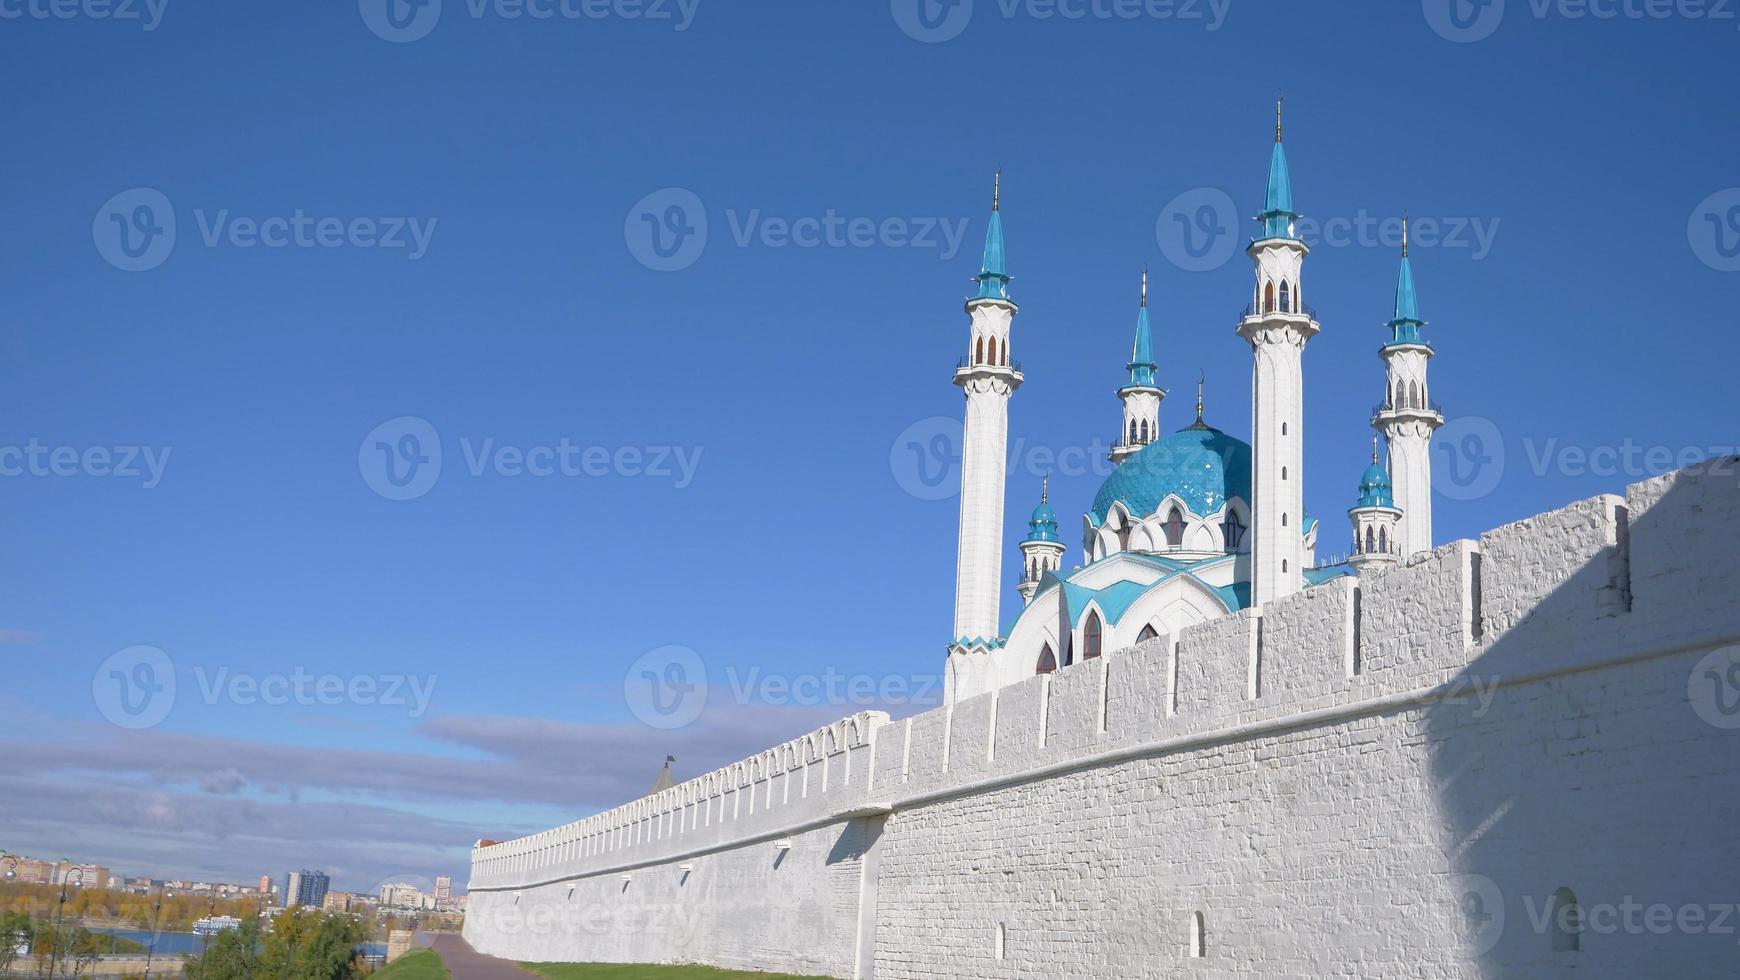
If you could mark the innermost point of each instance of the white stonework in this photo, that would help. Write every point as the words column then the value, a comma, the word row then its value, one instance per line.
column 988, row 379
column 1388, row 776
column 1277, row 328
column 1407, row 420
column 1141, row 424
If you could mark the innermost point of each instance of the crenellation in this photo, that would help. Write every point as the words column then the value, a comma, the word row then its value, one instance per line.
column 1073, row 709
column 1416, row 620
column 1137, row 687
column 1214, row 667
column 1547, row 579
column 1306, row 642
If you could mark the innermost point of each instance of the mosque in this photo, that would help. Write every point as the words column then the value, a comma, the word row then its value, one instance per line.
column 1192, row 525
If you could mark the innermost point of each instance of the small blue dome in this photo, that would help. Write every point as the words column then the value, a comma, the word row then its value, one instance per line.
column 1374, row 488
column 1204, row 467
column 1043, row 524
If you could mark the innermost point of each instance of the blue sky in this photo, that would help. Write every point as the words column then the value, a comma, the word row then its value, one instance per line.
column 484, row 186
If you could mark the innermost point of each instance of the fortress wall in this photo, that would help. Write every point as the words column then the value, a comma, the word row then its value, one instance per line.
column 1457, row 716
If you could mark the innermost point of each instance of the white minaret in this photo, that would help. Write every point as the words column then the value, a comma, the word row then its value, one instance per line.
column 1042, row 550
column 1408, row 418
column 1278, row 325
column 1141, row 397
column 988, row 377
column 1374, row 518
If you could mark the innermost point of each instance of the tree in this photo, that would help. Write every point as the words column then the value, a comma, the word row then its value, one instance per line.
column 16, row 936
column 233, row 954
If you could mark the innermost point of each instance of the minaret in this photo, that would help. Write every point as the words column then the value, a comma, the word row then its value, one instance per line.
column 1042, row 549
column 1407, row 417
column 1141, row 397
column 1278, row 325
column 987, row 377
column 1374, row 519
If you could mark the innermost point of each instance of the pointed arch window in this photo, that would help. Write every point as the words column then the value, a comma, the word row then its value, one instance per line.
column 1232, row 531
column 1383, row 540
column 1047, row 661
column 1567, row 922
column 1132, row 440
column 979, row 352
column 1091, row 636
column 1269, row 298
column 1148, row 633
column 1370, row 542
column 993, row 350
column 1174, row 529
column 1286, row 299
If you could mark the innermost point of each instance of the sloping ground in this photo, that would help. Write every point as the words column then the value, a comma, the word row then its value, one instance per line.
column 418, row 964
column 466, row 963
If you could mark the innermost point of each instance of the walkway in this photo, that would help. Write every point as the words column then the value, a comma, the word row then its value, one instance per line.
column 466, row 963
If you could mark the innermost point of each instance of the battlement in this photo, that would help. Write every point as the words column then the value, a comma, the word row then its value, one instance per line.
column 1604, row 581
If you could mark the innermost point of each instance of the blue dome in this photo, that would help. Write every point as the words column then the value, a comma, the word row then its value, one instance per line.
column 1204, row 467
column 1043, row 525
column 1374, row 488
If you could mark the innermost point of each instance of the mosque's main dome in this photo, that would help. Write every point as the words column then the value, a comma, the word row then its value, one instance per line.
column 1203, row 466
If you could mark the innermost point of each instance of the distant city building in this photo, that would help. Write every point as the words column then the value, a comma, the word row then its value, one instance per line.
column 443, row 891
column 265, row 884
column 399, row 895
column 79, row 875
column 305, row 888
column 336, row 902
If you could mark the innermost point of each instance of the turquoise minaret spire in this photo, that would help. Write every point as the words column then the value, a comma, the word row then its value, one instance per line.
column 1142, row 364
column 1278, row 214
column 1405, row 325
column 992, row 278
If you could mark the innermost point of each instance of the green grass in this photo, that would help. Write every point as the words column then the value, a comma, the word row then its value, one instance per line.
column 613, row 971
column 418, row 964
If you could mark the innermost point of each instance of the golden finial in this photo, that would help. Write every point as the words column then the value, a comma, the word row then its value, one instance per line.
column 1404, row 234
column 1282, row 97
column 1144, row 286
column 997, row 190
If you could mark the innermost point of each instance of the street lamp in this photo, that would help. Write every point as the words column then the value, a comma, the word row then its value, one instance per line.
column 156, row 917
column 54, row 946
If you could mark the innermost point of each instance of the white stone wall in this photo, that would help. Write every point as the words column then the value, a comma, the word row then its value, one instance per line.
column 1389, row 777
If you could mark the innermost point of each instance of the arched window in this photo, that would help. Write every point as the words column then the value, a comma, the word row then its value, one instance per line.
column 1370, row 541
column 979, row 352
column 1148, row 633
column 1298, row 298
column 1383, row 540
column 1174, row 528
column 1269, row 298
column 993, row 350
column 1286, row 299
column 1132, row 440
column 1283, row 520
column 1283, row 472
column 1144, row 432
column 1567, row 922
column 1091, row 637
column 1414, row 394
column 1232, row 531
column 1283, row 564
column 1047, row 661
column 1198, row 936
